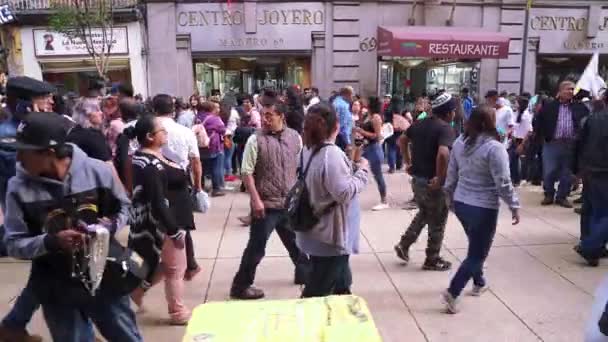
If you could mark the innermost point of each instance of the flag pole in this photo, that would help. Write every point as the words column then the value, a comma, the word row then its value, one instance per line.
column 524, row 56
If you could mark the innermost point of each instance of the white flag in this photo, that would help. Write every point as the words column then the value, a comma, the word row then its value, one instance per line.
column 591, row 80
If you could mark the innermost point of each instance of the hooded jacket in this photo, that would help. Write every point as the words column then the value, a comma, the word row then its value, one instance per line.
column 478, row 173
column 40, row 206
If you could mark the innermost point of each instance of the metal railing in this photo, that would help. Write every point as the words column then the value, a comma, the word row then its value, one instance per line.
column 41, row 5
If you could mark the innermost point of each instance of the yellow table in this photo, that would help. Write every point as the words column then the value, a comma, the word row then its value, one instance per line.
column 326, row 319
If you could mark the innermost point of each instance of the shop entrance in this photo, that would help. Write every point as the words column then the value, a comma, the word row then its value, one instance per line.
column 552, row 69
column 418, row 76
column 250, row 74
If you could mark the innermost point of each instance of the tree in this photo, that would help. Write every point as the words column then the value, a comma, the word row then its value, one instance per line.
column 88, row 22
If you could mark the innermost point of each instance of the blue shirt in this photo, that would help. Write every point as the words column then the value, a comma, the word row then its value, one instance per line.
column 345, row 117
column 467, row 106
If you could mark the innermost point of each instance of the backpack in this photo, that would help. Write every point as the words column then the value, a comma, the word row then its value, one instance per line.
column 595, row 151
column 300, row 213
column 202, row 138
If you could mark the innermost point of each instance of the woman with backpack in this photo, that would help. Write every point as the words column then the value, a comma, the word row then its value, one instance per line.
column 333, row 184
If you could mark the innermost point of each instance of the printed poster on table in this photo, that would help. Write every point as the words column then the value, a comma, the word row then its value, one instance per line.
column 50, row 43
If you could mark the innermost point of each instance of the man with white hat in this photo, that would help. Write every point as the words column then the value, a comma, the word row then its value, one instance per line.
column 431, row 142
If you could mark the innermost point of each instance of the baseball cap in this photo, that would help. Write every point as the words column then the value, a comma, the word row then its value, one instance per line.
column 492, row 93
column 27, row 87
column 443, row 103
column 39, row 131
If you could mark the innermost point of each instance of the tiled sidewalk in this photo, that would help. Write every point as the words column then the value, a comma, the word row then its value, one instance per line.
column 539, row 288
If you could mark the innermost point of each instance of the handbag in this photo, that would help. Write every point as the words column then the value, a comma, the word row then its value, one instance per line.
column 387, row 131
column 200, row 201
column 228, row 142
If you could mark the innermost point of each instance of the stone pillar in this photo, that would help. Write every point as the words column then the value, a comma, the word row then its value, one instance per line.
column 162, row 49
column 185, row 72
column 530, row 72
column 488, row 73
column 319, row 75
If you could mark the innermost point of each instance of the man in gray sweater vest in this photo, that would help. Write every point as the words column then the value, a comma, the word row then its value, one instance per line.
column 270, row 163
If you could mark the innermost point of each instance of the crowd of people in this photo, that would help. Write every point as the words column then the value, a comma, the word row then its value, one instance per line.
column 116, row 160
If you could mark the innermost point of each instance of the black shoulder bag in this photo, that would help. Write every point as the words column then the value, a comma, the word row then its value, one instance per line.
column 300, row 213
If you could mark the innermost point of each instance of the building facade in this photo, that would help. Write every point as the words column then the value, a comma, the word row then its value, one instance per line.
column 36, row 51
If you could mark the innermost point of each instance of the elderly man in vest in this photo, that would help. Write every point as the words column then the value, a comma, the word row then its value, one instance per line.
column 270, row 162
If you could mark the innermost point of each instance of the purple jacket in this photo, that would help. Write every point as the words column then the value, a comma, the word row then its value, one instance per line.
column 215, row 130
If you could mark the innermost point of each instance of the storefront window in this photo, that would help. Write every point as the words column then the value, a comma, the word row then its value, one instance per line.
column 418, row 76
column 251, row 74
column 552, row 69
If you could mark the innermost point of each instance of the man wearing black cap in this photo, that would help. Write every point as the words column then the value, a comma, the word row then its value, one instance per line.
column 431, row 142
column 23, row 94
column 57, row 185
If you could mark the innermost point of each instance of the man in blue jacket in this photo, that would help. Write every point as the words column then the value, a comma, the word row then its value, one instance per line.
column 56, row 187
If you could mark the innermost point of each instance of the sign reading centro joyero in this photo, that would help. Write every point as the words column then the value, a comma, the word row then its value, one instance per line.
column 260, row 26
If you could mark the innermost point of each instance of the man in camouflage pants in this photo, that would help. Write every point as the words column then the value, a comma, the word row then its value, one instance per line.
column 431, row 140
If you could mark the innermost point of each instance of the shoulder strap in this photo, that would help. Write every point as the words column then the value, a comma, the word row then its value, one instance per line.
column 314, row 152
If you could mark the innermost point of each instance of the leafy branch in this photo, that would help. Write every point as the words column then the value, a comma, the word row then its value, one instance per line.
column 88, row 22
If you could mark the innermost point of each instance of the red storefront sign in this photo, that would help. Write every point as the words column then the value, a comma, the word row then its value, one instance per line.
column 441, row 42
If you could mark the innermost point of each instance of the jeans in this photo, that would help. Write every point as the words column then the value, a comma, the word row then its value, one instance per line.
column 214, row 167
column 329, row 276
column 394, row 158
column 593, row 244
column 24, row 308
column 586, row 208
column 228, row 152
column 515, row 163
column 259, row 233
column 373, row 153
column 113, row 318
column 557, row 164
column 480, row 226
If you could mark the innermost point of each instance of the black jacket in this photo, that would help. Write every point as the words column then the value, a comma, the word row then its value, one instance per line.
column 546, row 121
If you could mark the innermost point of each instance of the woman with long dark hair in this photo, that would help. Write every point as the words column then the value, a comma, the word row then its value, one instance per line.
column 521, row 131
column 155, row 223
column 333, row 184
column 478, row 176
column 369, row 129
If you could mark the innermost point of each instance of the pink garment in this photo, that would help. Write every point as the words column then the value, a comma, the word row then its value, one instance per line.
column 173, row 269
column 116, row 127
column 256, row 119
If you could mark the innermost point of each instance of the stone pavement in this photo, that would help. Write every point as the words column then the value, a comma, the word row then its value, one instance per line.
column 539, row 288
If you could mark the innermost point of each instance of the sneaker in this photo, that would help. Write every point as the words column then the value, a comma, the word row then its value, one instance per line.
column 250, row 293
column 230, row 178
column 190, row 274
column 593, row 262
column 381, row 206
column 11, row 335
column 217, row 193
column 451, row 303
column 564, row 203
column 477, row 291
column 245, row 220
column 410, row 205
column 402, row 253
column 547, row 201
column 438, row 264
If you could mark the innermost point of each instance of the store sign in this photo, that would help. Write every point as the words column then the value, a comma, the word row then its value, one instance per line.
column 562, row 32
column 49, row 43
column 440, row 43
column 257, row 26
